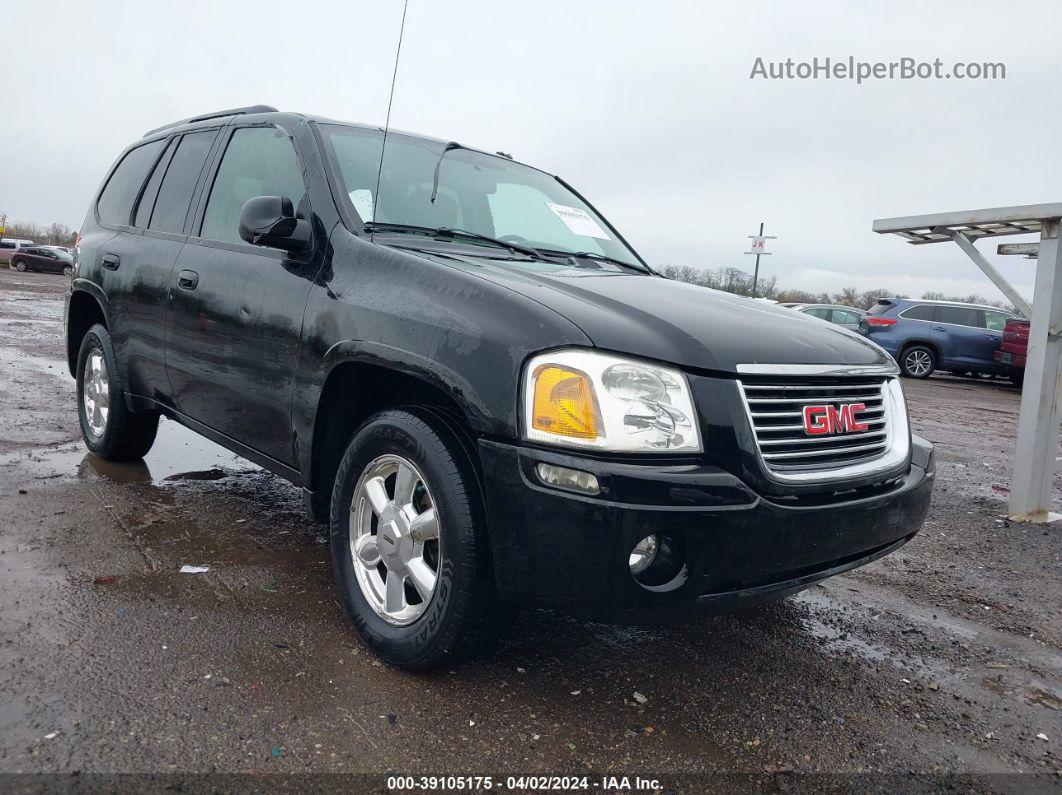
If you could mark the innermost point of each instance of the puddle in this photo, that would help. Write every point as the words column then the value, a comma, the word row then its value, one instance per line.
column 178, row 454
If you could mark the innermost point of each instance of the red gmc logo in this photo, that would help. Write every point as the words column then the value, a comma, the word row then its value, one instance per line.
column 820, row 420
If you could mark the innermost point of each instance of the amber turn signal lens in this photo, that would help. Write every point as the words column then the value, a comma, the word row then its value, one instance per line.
column 564, row 403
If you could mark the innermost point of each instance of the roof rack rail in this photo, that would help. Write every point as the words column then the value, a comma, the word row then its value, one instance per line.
column 215, row 115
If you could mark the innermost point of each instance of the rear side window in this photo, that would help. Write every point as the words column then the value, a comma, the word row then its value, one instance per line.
column 182, row 174
column 259, row 161
column 959, row 316
column 845, row 317
column 920, row 312
column 818, row 311
column 116, row 202
column 5, row 244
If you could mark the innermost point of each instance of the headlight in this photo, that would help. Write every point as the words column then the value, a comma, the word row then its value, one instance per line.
column 582, row 398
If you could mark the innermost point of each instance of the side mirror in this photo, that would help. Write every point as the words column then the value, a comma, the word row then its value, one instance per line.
column 270, row 221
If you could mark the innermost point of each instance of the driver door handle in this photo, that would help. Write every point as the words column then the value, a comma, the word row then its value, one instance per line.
column 187, row 280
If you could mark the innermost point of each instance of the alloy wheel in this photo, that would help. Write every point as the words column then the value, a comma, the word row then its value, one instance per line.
column 96, row 392
column 918, row 362
column 394, row 539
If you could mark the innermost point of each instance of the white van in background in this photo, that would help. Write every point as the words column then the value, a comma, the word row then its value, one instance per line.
column 9, row 245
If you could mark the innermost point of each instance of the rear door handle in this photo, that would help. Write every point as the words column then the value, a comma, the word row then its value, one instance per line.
column 187, row 280
column 939, row 328
column 111, row 261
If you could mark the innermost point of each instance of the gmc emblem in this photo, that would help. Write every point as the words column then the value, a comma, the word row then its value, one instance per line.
column 819, row 420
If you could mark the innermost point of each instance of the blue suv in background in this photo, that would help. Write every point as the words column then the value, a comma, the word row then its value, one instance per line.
column 924, row 336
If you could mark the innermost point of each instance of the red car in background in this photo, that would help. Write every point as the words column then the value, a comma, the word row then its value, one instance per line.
column 1013, row 349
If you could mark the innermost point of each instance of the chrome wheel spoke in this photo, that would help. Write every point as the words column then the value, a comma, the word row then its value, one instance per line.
column 395, row 597
column 405, row 482
column 422, row 577
column 424, row 526
column 376, row 491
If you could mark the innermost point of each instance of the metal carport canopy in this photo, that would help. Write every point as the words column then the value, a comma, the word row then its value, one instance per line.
column 1032, row 483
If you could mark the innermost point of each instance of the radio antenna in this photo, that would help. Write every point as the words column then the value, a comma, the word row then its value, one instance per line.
column 390, row 101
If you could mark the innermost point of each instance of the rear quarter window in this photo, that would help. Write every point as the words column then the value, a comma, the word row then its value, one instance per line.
column 920, row 312
column 115, row 204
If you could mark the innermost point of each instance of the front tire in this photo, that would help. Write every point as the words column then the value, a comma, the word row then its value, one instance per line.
column 20, row 266
column 109, row 428
column 918, row 361
column 409, row 542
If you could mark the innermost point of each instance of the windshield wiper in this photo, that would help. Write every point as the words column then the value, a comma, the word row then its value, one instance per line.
column 446, row 232
column 598, row 257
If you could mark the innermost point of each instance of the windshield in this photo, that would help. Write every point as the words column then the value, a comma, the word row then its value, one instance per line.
column 478, row 193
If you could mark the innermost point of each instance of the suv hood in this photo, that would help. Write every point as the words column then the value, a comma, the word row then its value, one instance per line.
column 671, row 321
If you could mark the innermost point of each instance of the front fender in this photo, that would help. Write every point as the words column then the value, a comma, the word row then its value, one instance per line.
column 481, row 416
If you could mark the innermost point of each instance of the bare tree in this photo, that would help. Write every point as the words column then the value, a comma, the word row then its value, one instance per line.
column 849, row 296
column 688, row 274
column 868, row 298
column 51, row 235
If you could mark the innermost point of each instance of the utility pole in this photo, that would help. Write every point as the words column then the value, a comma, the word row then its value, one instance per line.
column 759, row 248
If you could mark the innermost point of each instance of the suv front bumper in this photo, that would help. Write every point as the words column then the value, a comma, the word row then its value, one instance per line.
column 554, row 548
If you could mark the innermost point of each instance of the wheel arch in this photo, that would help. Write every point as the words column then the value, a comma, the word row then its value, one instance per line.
column 926, row 343
column 86, row 308
column 355, row 389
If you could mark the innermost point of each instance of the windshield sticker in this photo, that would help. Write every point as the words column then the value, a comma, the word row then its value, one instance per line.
column 362, row 201
column 578, row 221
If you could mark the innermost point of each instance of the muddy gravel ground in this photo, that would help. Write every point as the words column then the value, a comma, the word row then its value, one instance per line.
column 935, row 668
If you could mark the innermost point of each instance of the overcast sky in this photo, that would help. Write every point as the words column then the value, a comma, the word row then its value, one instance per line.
column 647, row 108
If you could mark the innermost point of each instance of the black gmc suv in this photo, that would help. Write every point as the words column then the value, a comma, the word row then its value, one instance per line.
column 479, row 385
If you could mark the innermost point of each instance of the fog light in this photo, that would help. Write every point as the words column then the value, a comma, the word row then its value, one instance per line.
column 643, row 554
column 570, row 479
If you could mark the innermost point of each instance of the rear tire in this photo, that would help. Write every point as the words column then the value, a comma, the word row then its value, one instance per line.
column 20, row 266
column 1017, row 377
column 918, row 361
column 109, row 428
column 444, row 608
column 68, row 271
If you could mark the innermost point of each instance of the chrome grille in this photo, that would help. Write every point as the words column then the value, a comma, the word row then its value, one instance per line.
column 776, row 404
